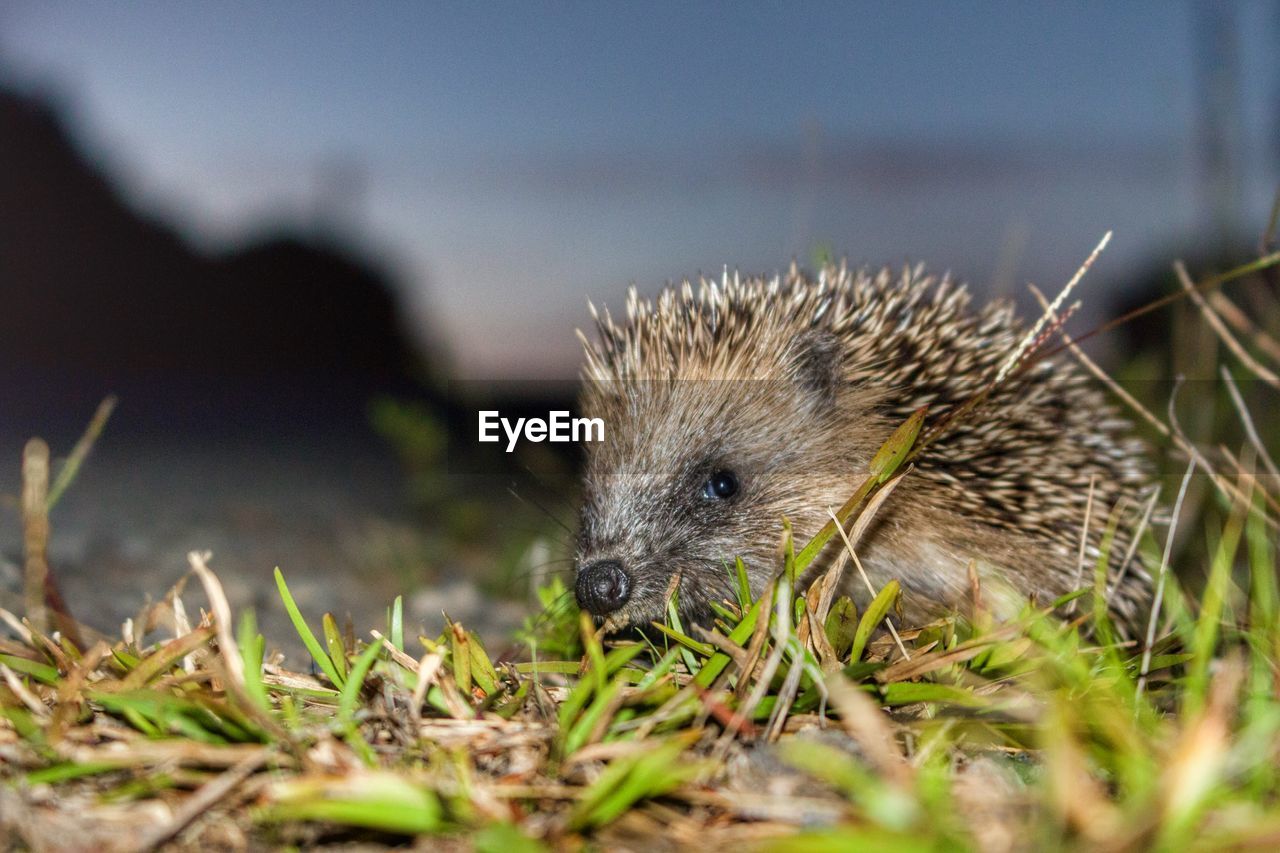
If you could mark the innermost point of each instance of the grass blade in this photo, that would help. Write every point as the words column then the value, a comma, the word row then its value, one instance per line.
column 304, row 633
column 877, row 610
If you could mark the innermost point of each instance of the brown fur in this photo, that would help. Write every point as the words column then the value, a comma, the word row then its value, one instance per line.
column 793, row 384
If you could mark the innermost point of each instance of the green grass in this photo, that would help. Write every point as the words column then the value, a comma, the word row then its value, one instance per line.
column 798, row 723
column 1084, row 755
column 616, row 731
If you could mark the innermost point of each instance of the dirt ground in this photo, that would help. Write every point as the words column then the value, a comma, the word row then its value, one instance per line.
column 334, row 517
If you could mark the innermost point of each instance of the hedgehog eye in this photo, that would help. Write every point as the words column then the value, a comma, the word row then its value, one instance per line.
column 722, row 486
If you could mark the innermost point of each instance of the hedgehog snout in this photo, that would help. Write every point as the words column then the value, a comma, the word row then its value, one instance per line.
column 602, row 587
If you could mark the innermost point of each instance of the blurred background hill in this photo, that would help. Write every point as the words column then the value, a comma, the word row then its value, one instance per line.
column 102, row 297
column 292, row 237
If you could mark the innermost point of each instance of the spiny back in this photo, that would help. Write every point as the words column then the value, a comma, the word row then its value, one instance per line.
column 1021, row 462
column 884, row 321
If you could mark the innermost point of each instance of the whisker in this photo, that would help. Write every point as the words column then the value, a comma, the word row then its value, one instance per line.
column 538, row 571
column 537, row 505
column 556, row 609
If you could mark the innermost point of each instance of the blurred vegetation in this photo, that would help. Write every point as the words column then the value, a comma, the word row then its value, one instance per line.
column 507, row 522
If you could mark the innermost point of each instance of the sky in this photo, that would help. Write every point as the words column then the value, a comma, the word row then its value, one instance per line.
column 509, row 161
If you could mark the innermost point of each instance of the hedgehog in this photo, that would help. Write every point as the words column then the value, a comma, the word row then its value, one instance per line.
column 742, row 402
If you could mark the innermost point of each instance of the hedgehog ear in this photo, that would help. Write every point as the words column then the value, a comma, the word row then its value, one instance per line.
column 813, row 360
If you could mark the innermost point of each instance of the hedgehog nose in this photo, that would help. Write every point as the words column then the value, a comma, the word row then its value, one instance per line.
column 602, row 587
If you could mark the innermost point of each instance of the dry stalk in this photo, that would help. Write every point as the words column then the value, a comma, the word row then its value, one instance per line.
column 428, row 671
column 828, row 586
column 1193, row 451
column 1084, row 542
column 863, row 721
column 830, row 583
column 1246, row 476
column 782, row 607
column 20, row 690
column 871, row 590
column 202, row 800
column 227, row 647
column 666, row 711
column 1264, row 263
column 1160, row 579
column 69, row 691
column 1134, row 541
column 932, row 661
column 396, row 655
column 1246, row 420
column 755, row 647
column 724, row 644
column 35, row 529
column 1243, row 325
column 821, row 642
column 79, row 453
column 17, row 627
column 785, row 698
column 1050, row 312
column 1220, row 329
column 1102, row 376
column 1179, row 440
column 1204, row 745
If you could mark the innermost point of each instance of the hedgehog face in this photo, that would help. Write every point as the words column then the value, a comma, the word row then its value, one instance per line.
column 694, row 473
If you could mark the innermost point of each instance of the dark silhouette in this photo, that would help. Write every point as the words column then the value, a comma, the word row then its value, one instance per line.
column 95, row 296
